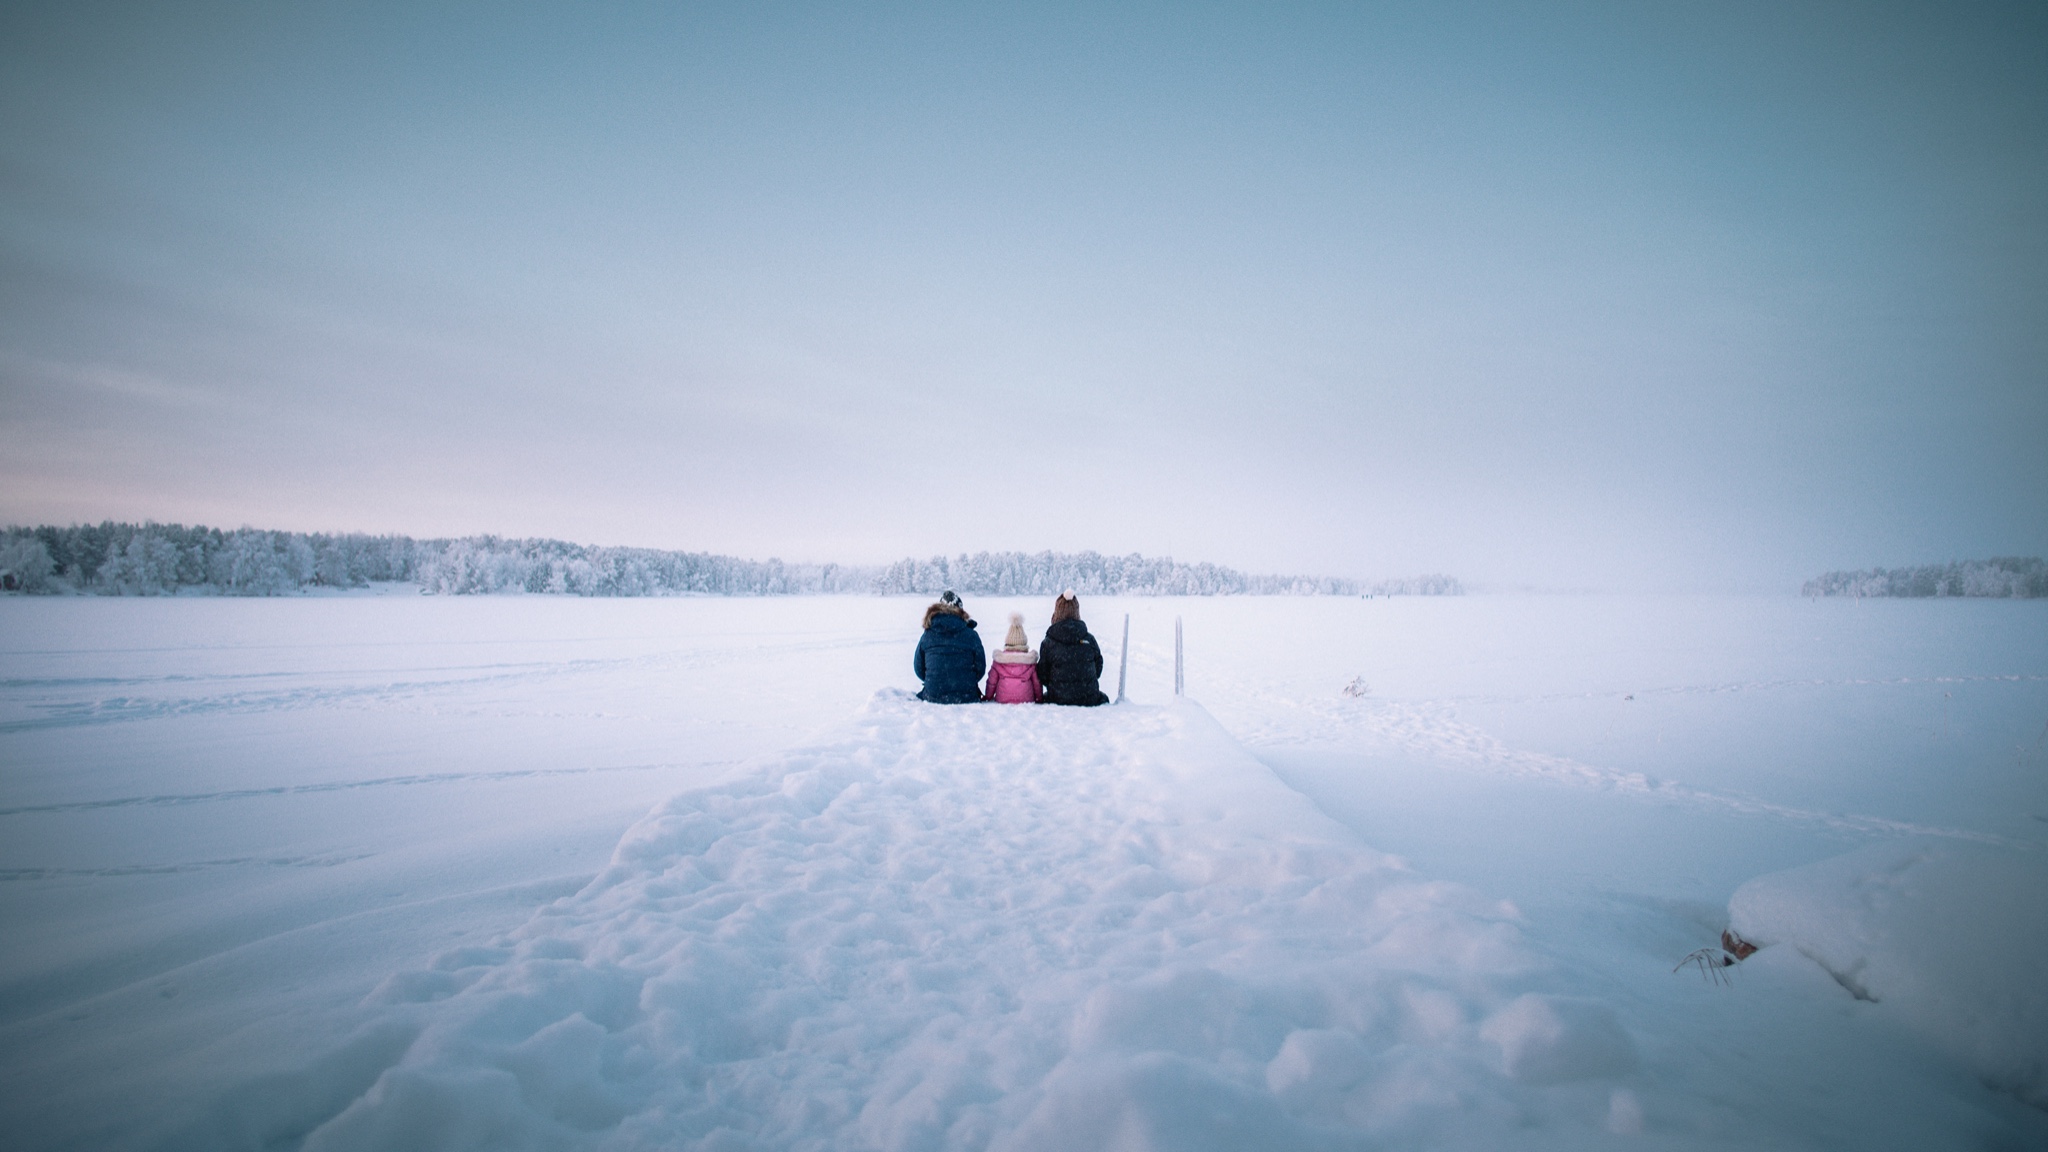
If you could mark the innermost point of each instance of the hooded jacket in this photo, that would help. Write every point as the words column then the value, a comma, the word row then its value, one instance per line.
column 950, row 661
column 1070, row 664
column 1013, row 678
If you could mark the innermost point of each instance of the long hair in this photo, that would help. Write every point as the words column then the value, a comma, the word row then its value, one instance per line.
column 1066, row 608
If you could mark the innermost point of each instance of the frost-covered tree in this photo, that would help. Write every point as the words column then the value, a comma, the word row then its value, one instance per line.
column 249, row 564
column 147, row 565
column 25, row 564
column 334, row 565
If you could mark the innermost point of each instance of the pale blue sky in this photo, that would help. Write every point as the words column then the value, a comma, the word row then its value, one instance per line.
column 1606, row 295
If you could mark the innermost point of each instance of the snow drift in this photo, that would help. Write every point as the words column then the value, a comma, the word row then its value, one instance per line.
column 1948, row 936
column 979, row 927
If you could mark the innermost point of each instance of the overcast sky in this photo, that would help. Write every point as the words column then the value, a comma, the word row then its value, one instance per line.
column 1573, row 296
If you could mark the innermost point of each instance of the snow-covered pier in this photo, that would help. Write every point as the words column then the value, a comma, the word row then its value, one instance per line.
column 987, row 927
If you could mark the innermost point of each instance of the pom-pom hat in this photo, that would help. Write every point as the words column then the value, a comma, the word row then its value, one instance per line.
column 1067, row 607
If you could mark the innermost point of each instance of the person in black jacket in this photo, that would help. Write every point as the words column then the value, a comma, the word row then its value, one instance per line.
column 1069, row 661
column 949, row 658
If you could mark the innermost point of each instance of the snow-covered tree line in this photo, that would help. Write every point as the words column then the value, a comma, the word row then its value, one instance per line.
column 1433, row 584
column 164, row 559
column 2002, row 576
column 1048, row 573
column 486, row 564
column 159, row 559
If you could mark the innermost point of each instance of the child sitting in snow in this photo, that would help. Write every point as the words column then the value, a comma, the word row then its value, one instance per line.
column 1013, row 675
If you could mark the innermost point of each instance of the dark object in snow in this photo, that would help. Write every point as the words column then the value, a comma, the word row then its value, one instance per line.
column 1357, row 687
column 1710, row 962
column 949, row 658
column 1713, row 962
column 1735, row 945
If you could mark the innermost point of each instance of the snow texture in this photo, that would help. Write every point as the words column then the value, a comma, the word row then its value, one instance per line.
column 340, row 870
column 1950, row 936
column 983, row 927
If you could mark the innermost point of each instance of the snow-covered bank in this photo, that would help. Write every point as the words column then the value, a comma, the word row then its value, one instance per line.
column 1011, row 928
column 1949, row 938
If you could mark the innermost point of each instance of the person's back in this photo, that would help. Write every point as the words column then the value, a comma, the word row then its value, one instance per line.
column 1069, row 661
column 1013, row 674
column 949, row 656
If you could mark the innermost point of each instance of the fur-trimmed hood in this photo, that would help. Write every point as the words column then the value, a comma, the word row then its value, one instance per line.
column 954, row 609
column 1006, row 656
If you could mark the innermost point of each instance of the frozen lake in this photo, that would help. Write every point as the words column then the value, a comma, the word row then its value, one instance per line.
column 227, row 826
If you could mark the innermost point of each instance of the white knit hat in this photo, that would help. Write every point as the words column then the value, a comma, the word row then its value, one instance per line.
column 1014, row 639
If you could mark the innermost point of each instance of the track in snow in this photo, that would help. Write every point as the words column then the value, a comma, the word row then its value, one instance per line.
column 1432, row 728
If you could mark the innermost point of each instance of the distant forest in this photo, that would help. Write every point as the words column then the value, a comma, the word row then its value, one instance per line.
column 2001, row 576
column 168, row 559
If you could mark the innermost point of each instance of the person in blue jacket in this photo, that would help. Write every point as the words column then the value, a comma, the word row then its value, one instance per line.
column 950, row 659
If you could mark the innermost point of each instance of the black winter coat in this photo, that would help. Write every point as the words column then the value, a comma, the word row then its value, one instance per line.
column 1070, row 664
column 950, row 661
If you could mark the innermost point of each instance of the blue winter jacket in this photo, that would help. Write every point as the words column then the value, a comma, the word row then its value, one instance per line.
column 950, row 661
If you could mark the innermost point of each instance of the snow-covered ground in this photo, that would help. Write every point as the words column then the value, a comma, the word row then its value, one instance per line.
column 401, row 871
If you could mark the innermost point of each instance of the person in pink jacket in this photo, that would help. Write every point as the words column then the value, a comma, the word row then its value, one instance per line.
column 1013, row 674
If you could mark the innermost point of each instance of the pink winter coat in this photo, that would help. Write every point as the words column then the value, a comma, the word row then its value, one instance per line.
column 1013, row 678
